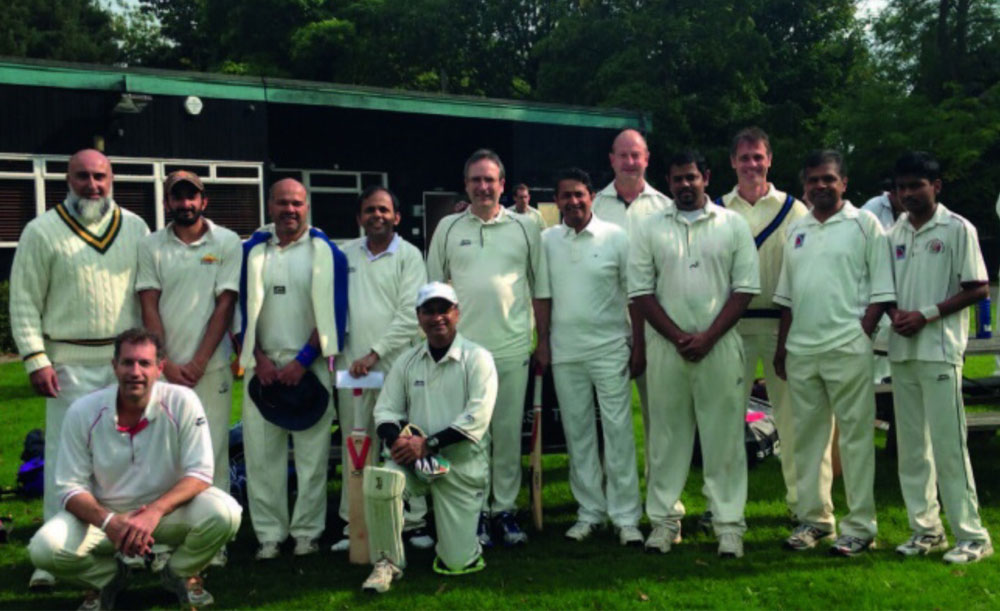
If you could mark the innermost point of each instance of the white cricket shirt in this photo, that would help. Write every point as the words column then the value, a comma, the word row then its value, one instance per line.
column 286, row 318
column 608, row 206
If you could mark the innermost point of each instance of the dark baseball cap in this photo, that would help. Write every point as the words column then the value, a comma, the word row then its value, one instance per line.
column 182, row 176
column 293, row 408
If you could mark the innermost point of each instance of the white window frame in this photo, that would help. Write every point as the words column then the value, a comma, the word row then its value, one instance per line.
column 355, row 190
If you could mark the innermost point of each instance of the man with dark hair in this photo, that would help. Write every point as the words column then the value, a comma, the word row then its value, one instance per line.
column 770, row 213
column 588, row 261
column 189, row 274
column 72, row 290
column 293, row 307
column 496, row 263
column 939, row 272
column 384, row 273
column 834, row 284
column 522, row 199
column 692, row 272
column 135, row 467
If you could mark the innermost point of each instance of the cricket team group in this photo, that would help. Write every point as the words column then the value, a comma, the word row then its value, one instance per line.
column 680, row 295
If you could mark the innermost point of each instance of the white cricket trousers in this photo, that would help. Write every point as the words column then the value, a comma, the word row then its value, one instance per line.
column 575, row 385
column 835, row 384
column 505, row 431
column 265, row 448
column 81, row 553
column 707, row 395
column 416, row 517
column 75, row 381
column 215, row 390
column 933, row 455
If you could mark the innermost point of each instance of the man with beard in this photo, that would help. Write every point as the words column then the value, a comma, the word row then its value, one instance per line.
column 628, row 198
column 590, row 336
column 189, row 274
column 135, row 467
column 693, row 269
column 834, row 284
column 384, row 274
column 496, row 263
column 939, row 273
column 72, row 290
column 769, row 212
column 293, row 311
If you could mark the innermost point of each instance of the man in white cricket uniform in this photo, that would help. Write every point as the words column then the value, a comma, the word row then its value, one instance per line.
column 627, row 198
column 135, row 466
column 769, row 212
column 447, row 387
column 293, row 302
column 188, row 278
column 692, row 270
column 835, row 283
column 886, row 209
column 496, row 263
column 384, row 273
column 939, row 273
column 590, row 339
column 522, row 201
column 72, row 290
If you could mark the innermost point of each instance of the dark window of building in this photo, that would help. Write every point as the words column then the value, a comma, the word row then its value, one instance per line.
column 336, row 214
column 234, row 206
column 17, row 207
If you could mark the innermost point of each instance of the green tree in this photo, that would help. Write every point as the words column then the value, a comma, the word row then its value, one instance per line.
column 68, row 30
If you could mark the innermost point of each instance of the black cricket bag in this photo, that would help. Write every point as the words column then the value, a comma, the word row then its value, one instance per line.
column 760, row 433
column 31, row 473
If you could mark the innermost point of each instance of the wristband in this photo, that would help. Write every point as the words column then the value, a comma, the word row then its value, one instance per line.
column 931, row 313
column 107, row 520
column 307, row 355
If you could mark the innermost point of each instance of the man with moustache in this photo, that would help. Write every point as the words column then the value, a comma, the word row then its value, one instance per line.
column 769, row 212
column 446, row 388
column 590, row 337
column 384, row 273
column 522, row 199
column 496, row 263
column 135, row 467
column 627, row 198
column 189, row 274
column 939, row 272
column 693, row 269
column 834, row 284
column 72, row 290
column 293, row 308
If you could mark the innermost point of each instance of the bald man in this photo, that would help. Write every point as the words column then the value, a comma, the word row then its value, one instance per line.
column 72, row 291
column 627, row 199
column 290, row 325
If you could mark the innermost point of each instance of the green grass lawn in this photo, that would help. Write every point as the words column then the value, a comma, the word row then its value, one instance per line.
column 552, row 572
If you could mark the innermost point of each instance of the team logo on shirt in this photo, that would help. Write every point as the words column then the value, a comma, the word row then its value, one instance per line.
column 209, row 260
column 351, row 269
column 279, row 290
column 900, row 251
column 799, row 239
column 199, row 421
column 418, row 383
column 465, row 243
column 935, row 246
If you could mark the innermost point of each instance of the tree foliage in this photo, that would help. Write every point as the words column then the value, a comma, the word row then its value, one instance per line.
column 69, row 30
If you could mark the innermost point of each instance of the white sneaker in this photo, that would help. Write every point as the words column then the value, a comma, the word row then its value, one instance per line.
column 921, row 545
column 630, row 536
column 268, row 550
column 220, row 558
column 663, row 537
column 419, row 538
column 41, row 580
column 341, row 546
column 305, row 546
column 730, row 545
column 384, row 573
column 581, row 530
column 967, row 552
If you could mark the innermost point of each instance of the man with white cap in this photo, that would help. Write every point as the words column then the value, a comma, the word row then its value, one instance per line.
column 188, row 278
column 433, row 414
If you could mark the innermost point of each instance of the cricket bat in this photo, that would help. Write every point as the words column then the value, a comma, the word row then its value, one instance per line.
column 359, row 453
column 536, row 452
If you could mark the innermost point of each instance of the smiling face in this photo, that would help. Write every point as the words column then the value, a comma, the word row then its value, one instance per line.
column 629, row 156
column 751, row 162
column 378, row 217
column 575, row 202
column 687, row 184
column 825, row 186
column 288, row 208
column 439, row 320
column 918, row 195
column 137, row 369
column 186, row 204
column 89, row 175
column 484, row 185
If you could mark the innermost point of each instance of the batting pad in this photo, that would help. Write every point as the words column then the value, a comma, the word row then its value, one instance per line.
column 384, row 514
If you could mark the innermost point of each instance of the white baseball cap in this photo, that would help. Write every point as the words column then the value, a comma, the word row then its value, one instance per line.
column 436, row 290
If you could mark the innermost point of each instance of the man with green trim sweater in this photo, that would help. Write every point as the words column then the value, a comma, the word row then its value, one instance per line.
column 72, row 291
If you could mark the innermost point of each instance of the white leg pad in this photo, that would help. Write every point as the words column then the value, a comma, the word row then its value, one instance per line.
column 383, row 490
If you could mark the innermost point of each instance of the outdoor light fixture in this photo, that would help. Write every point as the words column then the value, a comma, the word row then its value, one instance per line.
column 193, row 105
column 131, row 104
